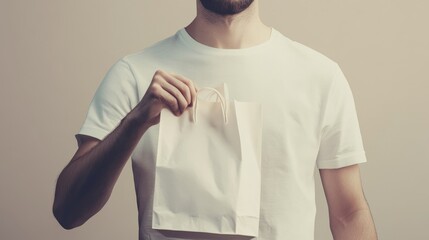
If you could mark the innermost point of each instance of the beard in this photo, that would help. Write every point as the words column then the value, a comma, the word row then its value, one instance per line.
column 226, row 7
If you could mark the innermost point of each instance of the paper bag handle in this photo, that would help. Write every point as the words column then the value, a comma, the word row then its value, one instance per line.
column 222, row 104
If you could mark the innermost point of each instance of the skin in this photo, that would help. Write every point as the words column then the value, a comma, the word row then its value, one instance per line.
column 86, row 183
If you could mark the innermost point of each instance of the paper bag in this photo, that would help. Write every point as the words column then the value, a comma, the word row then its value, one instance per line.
column 208, row 167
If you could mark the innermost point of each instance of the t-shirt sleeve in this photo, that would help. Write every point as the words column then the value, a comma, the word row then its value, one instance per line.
column 341, row 141
column 114, row 98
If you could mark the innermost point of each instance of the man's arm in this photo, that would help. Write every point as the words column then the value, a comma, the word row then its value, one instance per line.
column 349, row 213
column 86, row 183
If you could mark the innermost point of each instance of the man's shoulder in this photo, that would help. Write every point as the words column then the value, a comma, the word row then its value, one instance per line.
column 305, row 54
column 153, row 50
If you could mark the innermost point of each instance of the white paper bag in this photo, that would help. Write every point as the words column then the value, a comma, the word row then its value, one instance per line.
column 208, row 167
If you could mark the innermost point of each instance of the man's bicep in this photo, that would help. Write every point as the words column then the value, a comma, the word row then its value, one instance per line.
column 343, row 190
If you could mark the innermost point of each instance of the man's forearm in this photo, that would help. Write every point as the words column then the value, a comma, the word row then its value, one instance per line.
column 358, row 225
column 86, row 183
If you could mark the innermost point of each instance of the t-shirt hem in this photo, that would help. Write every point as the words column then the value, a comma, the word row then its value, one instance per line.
column 350, row 159
column 93, row 132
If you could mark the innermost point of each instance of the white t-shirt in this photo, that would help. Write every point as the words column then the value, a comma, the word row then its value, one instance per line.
column 309, row 120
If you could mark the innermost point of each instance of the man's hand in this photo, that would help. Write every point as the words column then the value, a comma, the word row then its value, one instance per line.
column 85, row 184
column 166, row 90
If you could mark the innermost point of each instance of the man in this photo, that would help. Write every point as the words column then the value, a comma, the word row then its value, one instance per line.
column 309, row 120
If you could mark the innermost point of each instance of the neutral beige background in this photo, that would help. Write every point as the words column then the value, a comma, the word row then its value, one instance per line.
column 54, row 53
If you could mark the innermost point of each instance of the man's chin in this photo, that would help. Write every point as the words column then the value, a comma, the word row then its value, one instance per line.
column 226, row 7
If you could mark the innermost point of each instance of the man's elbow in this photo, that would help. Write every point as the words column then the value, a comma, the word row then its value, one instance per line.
column 358, row 224
column 65, row 219
column 343, row 218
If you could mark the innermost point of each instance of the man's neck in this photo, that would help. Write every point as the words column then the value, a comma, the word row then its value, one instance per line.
column 231, row 32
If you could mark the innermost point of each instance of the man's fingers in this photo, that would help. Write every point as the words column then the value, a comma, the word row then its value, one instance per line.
column 178, row 87
column 190, row 84
column 177, row 94
column 167, row 99
column 183, row 87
